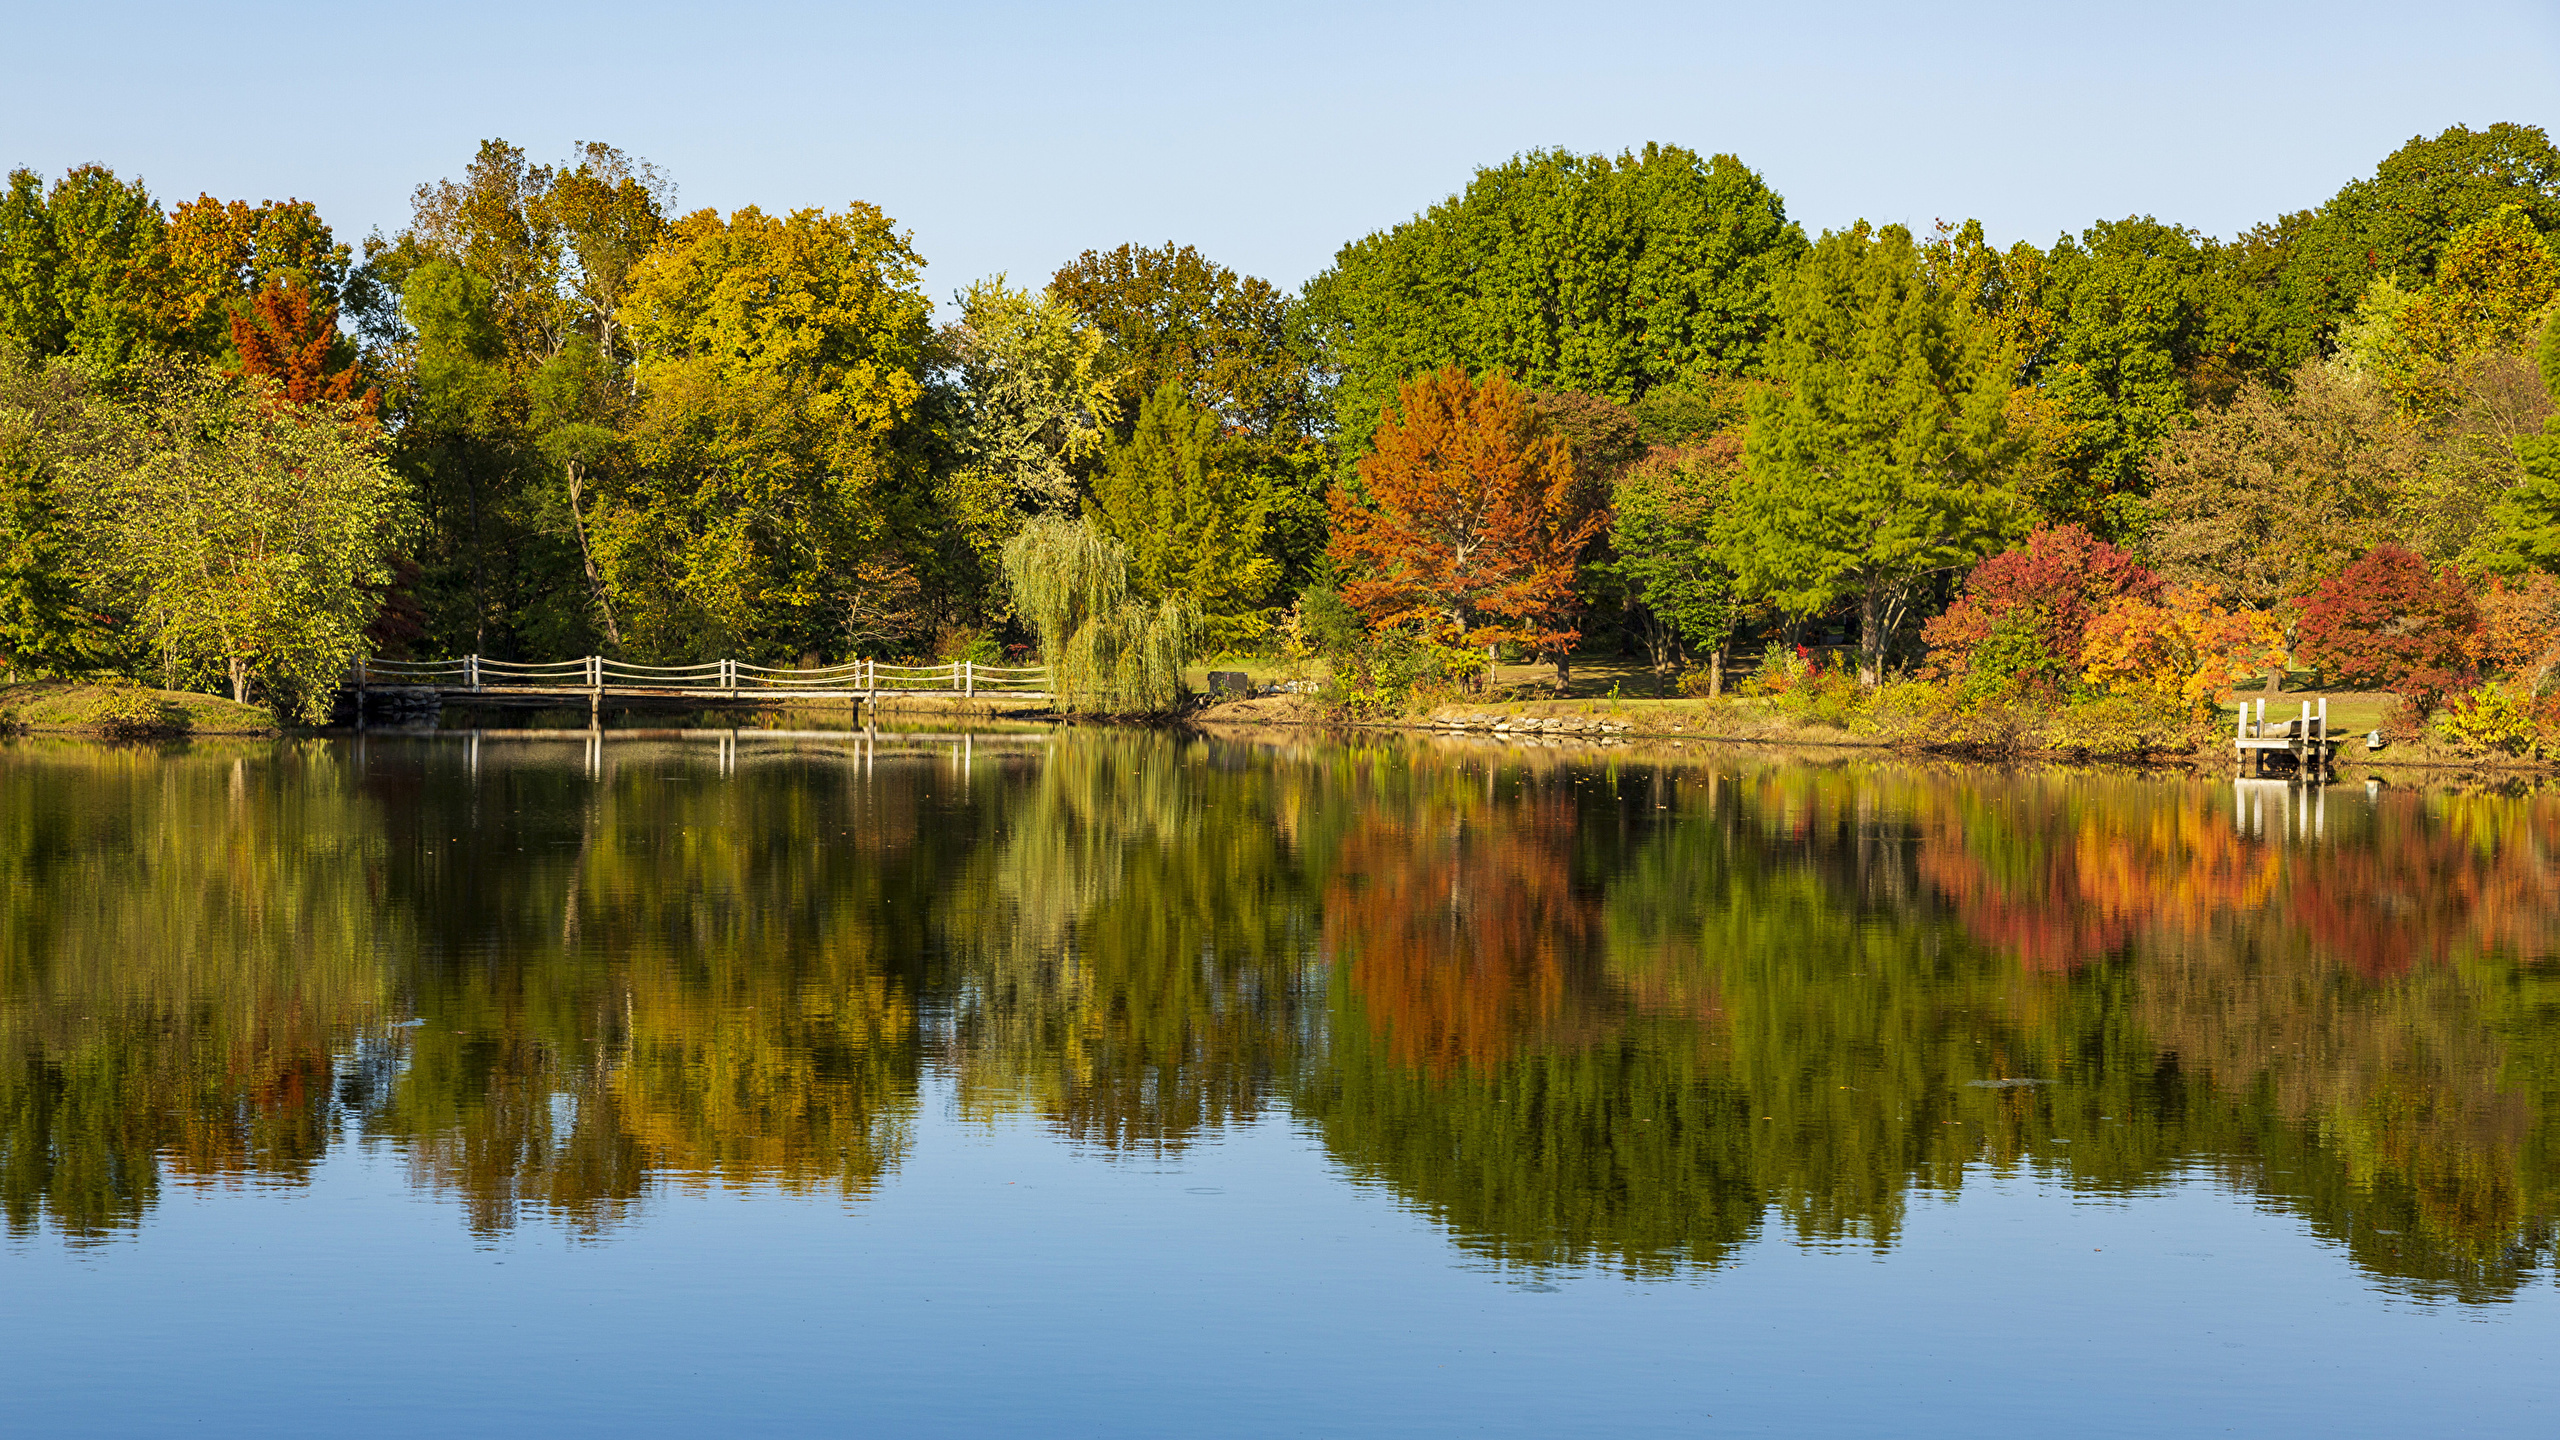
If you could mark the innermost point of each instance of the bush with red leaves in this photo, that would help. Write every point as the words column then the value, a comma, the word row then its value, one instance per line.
column 2392, row 622
column 2049, row 588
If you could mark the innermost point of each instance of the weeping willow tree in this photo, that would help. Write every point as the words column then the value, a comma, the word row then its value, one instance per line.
column 1105, row 652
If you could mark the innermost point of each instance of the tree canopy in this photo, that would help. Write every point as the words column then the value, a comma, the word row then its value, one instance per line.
column 1589, row 273
column 1883, row 455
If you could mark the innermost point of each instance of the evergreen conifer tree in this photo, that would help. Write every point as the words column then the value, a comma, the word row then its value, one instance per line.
column 1883, row 455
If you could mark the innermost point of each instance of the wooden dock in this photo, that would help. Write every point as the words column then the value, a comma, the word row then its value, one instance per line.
column 600, row 683
column 2304, row 740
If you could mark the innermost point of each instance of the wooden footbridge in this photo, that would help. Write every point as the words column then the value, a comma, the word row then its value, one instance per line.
column 601, row 682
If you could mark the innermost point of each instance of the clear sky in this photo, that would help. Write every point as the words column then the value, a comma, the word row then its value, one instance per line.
column 1012, row 136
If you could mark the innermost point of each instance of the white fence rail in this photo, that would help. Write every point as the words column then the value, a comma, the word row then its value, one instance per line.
column 723, row 677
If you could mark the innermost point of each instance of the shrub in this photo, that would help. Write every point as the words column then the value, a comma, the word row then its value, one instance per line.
column 1395, row 670
column 1803, row 686
column 2499, row 720
column 125, row 713
column 2122, row 725
column 2048, row 590
column 2017, row 659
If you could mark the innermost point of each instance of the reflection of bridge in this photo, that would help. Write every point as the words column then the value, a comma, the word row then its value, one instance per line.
column 864, row 748
column 600, row 682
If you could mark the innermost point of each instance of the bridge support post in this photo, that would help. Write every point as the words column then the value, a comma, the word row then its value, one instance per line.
column 595, row 692
column 360, row 679
column 968, row 678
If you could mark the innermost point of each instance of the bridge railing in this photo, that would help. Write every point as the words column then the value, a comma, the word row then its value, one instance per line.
column 598, row 672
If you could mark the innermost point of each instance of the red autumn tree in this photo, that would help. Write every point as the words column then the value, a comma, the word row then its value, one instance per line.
column 2390, row 621
column 1474, row 521
column 291, row 339
column 2051, row 586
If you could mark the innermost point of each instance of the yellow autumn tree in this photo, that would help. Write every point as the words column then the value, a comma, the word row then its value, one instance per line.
column 780, row 451
column 2184, row 648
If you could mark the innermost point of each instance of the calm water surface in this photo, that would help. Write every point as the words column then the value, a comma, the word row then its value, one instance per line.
column 1123, row 1085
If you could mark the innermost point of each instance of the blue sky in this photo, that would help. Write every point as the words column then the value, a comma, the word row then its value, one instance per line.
column 1010, row 137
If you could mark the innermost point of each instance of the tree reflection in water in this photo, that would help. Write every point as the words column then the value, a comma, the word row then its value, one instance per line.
column 1627, row 1014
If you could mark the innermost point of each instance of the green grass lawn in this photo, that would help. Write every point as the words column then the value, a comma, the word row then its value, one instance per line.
column 76, row 705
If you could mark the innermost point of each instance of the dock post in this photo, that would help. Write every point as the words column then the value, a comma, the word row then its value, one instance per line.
column 471, row 671
column 968, row 678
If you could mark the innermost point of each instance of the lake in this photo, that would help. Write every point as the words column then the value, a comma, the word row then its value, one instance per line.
column 1122, row 1083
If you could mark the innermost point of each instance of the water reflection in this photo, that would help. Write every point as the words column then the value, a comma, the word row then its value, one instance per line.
column 1626, row 1014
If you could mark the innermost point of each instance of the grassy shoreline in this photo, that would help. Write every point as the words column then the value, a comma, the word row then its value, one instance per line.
column 54, row 707
column 1759, row 722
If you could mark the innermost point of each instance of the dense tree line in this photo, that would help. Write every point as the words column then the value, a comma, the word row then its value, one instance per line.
column 1587, row 400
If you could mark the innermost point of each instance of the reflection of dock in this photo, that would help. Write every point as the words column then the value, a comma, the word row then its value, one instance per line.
column 2304, row 743
column 2300, row 813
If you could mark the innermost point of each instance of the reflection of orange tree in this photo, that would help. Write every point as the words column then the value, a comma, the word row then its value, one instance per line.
column 2058, row 872
column 1459, row 928
column 2354, row 1014
column 1479, row 1062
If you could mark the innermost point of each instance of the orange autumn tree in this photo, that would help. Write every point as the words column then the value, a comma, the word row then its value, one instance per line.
column 288, row 338
column 2184, row 649
column 1473, row 522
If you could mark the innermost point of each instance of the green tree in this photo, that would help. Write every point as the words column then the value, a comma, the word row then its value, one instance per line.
column 2277, row 491
column 1033, row 400
column 83, row 268
column 2397, row 221
column 2495, row 280
column 521, row 263
column 1573, row 272
column 1192, row 530
column 44, row 623
column 781, row 361
column 246, row 539
column 1882, row 457
column 2145, row 319
column 1105, row 651
column 1671, row 514
column 1236, row 344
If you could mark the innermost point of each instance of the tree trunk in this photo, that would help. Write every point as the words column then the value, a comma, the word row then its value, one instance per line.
column 1871, row 636
column 595, row 577
column 1564, row 673
column 239, row 681
column 1715, row 670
